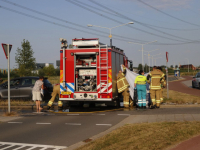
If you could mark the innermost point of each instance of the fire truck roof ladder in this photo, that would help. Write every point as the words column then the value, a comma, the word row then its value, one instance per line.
column 84, row 43
column 103, row 60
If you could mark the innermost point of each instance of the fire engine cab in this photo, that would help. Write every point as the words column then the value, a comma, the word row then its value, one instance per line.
column 88, row 71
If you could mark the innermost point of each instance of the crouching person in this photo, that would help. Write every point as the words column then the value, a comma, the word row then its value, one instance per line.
column 56, row 91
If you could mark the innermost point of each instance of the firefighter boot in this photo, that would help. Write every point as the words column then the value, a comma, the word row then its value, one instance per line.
column 49, row 105
column 60, row 105
column 157, row 103
column 158, row 98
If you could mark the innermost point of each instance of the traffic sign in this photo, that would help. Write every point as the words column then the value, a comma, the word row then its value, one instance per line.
column 167, row 54
column 5, row 47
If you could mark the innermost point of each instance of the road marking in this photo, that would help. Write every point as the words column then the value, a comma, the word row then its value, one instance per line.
column 104, row 124
column 73, row 114
column 123, row 114
column 42, row 123
column 32, row 146
column 15, row 122
column 77, row 124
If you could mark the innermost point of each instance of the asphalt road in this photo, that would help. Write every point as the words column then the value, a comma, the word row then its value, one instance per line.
column 68, row 129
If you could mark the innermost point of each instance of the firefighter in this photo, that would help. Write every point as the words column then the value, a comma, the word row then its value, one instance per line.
column 56, row 91
column 155, row 86
column 122, row 86
column 163, row 84
column 140, row 84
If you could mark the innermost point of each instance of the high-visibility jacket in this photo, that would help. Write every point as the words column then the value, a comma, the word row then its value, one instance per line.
column 141, row 80
column 122, row 83
column 156, row 78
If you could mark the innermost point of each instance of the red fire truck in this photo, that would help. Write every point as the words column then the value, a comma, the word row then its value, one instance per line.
column 88, row 71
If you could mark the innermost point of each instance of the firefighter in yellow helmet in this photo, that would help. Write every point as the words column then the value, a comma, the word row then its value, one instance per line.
column 56, row 91
column 155, row 85
column 122, row 86
column 163, row 84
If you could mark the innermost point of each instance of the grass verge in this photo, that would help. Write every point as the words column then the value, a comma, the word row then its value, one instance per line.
column 180, row 98
column 11, row 114
column 146, row 136
column 17, row 102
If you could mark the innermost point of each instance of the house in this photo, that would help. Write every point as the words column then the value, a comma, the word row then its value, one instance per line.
column 186, row 66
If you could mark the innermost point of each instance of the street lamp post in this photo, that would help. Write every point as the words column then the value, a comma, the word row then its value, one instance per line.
column 152, row 56
column 149, row 56
column 110, row 36
column 188, row 63
column 142, row 50
column 156, row 58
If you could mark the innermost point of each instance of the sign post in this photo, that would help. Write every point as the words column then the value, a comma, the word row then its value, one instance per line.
column 7, row 49
column 167, row 74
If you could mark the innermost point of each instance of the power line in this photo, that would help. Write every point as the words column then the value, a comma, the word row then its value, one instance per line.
column 65, row 21
column 118, row 15
column 168, row 14
column 64, row 26
column 146, row 25
column 121, row 22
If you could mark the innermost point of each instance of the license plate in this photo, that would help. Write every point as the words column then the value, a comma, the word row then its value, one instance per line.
column 65, row 93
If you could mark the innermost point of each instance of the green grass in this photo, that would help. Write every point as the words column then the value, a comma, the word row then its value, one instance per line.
column 179, row 98
column 146, row 136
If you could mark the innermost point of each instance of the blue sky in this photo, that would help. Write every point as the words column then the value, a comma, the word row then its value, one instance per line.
column 175, row 24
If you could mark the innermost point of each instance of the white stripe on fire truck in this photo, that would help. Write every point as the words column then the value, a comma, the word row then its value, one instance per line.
column 105, row 88
column 70, row 87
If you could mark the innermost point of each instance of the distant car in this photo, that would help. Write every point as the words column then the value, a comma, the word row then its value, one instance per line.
column 196, row 81
column 22, row 88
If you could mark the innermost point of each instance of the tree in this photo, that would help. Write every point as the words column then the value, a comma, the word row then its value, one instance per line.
column 146, row 68
column 49, row 71
column 140, row 67
column 24, row 58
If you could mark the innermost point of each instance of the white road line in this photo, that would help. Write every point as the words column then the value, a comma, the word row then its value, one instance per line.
column 19, row 147
column 73, row 114
column 77, row 124
column 15, row 122
column 123, row 114
column 32, row 148
column 104, row 124
column 22, row 145
column 7, row 147
column 43, row 123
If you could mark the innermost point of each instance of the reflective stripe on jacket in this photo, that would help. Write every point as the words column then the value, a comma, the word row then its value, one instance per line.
column 156, row 77
column 122, row 83
column 141, row 80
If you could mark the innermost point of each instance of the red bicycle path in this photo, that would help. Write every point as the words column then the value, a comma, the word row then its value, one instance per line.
column 193, row 143
column 180, row 87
